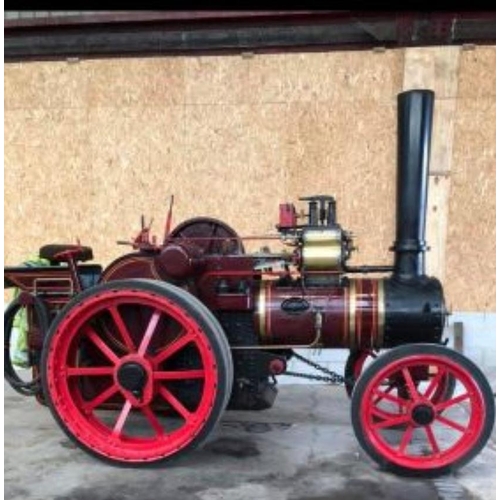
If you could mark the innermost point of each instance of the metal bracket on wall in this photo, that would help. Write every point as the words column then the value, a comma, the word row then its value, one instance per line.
column 458, row 336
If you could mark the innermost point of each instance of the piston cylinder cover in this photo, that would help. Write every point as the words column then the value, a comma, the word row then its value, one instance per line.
column 322, row 249
column 179, row 260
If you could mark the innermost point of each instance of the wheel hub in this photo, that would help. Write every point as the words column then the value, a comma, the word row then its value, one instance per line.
column 132, row 377
column 422, row 414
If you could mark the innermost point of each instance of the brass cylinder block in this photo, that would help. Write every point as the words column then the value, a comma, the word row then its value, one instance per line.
column 322, row 249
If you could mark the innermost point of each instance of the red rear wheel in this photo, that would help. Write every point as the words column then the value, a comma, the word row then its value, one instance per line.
column 136, row 371
column 437, row 436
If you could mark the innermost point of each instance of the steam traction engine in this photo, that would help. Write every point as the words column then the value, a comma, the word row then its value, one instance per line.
column 137, row 362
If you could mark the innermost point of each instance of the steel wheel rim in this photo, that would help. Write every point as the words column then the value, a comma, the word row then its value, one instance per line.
column 73, row 409
column 374, row 422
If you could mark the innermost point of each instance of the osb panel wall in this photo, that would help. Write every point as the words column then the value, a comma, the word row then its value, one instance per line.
column 91, row 145
column 470, row 269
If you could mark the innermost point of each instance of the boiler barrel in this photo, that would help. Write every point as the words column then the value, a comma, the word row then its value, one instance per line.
column 363, row 314
column 345, row 316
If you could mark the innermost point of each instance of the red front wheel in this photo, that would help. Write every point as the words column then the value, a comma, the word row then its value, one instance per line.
column 419, row 434
column 136, row 371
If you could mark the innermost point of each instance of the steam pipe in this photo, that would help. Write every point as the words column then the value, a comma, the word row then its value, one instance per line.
column 368, row 269
column 415, row 110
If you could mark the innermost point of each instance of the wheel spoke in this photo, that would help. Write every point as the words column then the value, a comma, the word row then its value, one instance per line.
column 122, row 328
column 155, row 423
column 446, row 404
column 179, row 375
column 120, row 422
column 405, row 439
column 212, row 237
column 434, row 383
column 105, row 349
column 451, row 423
column 390, row 397
column 403, row 419
column 388, row 419
column 175, row 403
column 89, row 371
column 175, row 346
column 99, row 400
column 432, row 439
column 378, row 412
column 149, row 333
column 414, row 395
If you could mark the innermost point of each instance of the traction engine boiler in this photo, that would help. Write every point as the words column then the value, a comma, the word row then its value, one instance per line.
column 138, row 361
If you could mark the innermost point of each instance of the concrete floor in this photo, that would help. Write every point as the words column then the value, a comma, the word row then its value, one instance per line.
column 302, row 449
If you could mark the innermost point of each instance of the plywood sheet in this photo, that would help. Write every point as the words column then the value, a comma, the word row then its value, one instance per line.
column 443, row 131
column 36, row 85
column 348, row 150
column 470, row 273
column 46, row 179
column 283, row 78
column 92, row 145
column 342, row 76
column 137, row 154
column 216, row 79
column 432, row 68
column 148, row 82
column 437, row 225
column 477, row 77
column 235, row 166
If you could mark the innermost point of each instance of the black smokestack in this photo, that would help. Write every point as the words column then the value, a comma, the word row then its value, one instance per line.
column 415, row 109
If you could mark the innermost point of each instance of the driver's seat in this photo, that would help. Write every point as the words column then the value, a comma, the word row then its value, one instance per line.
column 58, row 253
